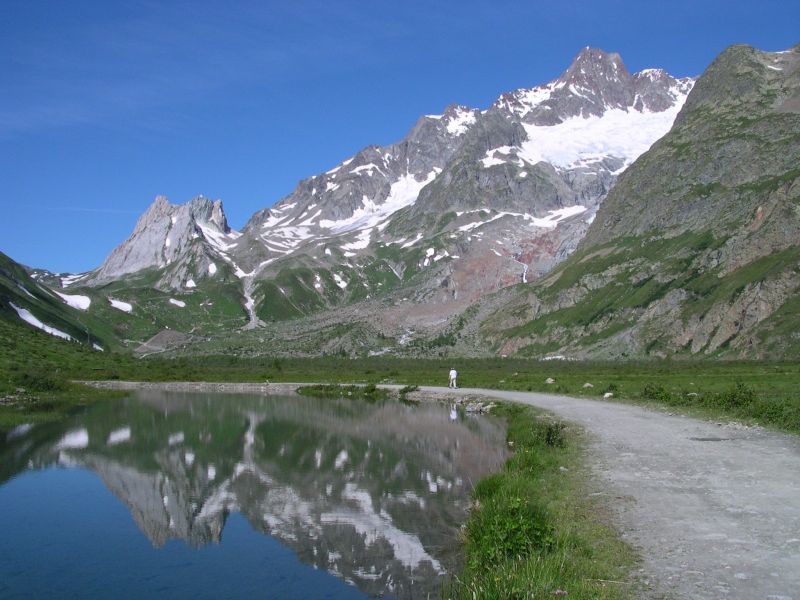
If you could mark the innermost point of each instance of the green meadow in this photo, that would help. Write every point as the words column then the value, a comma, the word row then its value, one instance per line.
column 752, row 392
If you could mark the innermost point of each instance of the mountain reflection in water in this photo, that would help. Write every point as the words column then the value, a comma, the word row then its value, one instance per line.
column 373, row 493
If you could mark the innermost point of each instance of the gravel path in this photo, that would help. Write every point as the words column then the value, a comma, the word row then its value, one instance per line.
column 714, row 508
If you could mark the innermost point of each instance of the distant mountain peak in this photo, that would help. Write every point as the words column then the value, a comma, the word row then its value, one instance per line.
column 595, row 82
column 166, row 235
column 593, row 67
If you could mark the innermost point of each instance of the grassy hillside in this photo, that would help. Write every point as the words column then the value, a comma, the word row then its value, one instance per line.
column 35, row 373
column 18, row 289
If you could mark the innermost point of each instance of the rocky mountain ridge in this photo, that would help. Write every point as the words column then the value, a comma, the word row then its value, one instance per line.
column 469, row 202
column 494, row 231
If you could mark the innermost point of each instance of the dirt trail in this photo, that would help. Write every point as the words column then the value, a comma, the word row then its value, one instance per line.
column 714, row 508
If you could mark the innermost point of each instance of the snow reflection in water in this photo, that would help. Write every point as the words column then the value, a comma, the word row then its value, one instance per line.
column 371, row 493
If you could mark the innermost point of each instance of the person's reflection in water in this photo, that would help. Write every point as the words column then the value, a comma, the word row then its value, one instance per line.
column 453, row 413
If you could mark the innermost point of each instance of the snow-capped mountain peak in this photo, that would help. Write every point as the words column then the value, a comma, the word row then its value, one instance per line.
column 480, row 190
column 595, row 113
column 594, row 83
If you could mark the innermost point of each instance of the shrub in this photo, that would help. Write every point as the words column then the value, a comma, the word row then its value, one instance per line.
column 506, row 528
column 40, row 381
column 405, row 391
column 738, row 397
column 782, row 412
column 554, row 434
column 655, row 391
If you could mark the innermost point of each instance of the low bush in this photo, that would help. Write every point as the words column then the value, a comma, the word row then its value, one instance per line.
column 554, row 434
column 40, row 381
column 740, row 396
column 655, row 391
column 507, row 528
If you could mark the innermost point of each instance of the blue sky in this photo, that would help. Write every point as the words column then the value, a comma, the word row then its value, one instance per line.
column 106, row 104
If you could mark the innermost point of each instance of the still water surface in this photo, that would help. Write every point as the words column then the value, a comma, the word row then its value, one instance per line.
column 176, row 495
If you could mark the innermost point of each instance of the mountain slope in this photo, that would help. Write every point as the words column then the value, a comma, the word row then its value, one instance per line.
column 27, row 303
column 695, row 250
column 467, row 203
column 467, row 180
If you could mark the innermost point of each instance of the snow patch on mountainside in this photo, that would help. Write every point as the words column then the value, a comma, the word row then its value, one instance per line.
column 460, row 122
column 24, row 289
column 500, row 156
column 528, row 99
column 76, row 301
column 580, row 141
column 71, row 279
column 339, row 281
column 412, row 242
column 220, row 241
column 26, row 316
column 361, row 241
column 553, row 218
column 403, row 192
column 286, row 238
column 339, row 166
column 370, row 168
column 120, row 305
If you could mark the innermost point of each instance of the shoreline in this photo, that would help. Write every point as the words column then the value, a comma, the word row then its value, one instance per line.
column 195, row 386
column 484, row 398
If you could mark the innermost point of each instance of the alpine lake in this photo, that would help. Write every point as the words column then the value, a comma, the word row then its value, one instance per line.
column 214, row 495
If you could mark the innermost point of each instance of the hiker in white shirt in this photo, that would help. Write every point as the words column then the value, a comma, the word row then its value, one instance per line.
column 453, row 375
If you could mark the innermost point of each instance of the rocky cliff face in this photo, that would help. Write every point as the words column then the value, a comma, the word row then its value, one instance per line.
column 180, row 241
column 695, row 249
